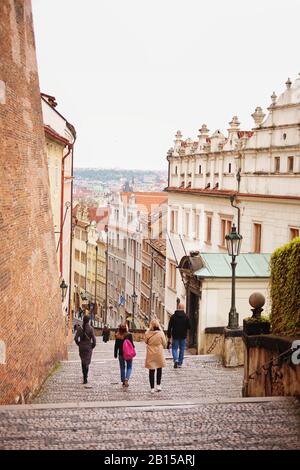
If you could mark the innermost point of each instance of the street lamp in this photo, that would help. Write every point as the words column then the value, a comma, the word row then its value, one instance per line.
column 134, row 299
column 233, row 242
column 64, row 288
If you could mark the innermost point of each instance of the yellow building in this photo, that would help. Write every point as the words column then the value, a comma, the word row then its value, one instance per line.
column 60, row 137
column 89, row 261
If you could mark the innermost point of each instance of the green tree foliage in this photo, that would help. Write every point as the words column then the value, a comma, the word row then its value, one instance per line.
column 285, row 289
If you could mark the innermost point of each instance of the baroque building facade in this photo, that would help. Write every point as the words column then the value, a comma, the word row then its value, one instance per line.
column 133, row 217
column 89, row 261
column 250, row 178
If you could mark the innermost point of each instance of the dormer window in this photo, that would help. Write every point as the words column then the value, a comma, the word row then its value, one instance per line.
column 229, row 168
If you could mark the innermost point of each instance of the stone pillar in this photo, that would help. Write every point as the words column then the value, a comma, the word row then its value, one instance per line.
column 233, row 355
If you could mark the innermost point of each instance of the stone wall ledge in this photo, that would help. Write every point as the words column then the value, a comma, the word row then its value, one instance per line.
column 280, row 344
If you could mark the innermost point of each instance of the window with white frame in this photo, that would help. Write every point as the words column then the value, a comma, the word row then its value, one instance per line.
column 196, row 225
column 290, row 164
column 186, row 228
column 172, row 275
column 208, row 228
column 225, row 228
column 173, row 221
column 257, row 237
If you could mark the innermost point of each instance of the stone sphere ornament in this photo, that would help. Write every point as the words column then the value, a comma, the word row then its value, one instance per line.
column 257, row 301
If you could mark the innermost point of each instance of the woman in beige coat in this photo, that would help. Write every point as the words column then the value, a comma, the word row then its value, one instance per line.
column 155, row 359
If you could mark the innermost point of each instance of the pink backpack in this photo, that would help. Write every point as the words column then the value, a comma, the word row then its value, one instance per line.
column 128, row 350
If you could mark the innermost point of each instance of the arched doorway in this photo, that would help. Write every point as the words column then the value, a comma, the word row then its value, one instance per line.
column 188, row 266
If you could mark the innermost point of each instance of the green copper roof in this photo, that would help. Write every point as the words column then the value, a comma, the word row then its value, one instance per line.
column 248, row 265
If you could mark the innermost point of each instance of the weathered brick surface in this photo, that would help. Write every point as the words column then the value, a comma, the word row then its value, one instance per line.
column 31, row 323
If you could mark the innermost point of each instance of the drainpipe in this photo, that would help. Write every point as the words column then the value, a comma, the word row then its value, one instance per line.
column 70, row 147
column 72, row 129
column 233, row 197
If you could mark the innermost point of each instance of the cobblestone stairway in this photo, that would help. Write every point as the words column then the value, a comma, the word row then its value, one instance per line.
column 201, row 376
column 200, row 407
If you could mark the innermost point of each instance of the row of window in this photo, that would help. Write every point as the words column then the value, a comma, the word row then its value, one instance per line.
column 130, row 276
column 146, row 275
column 116, row 266
column 157, row 307
column 89, row 285
column 80, row 234
column 187, row 223
column 80, row 256
column 192, row 227
column 200, row 170
column 290, row 164
column 290, row 167
column 134, row 247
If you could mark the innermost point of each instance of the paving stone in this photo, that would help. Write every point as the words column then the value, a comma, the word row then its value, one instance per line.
column 200, row 376
column 231, row 423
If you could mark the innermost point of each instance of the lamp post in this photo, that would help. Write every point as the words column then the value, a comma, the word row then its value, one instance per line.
column 96, row 267
column 134, row 299
column 86, row 257
column 233, row 241
column 64, row 288
column 151, row 286
column 83, row 296
column 106, row 275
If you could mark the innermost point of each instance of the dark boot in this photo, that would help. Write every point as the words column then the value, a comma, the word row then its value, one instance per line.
column 85, row 373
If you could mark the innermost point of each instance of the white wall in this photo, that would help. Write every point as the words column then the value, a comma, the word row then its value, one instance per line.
column 276, row 218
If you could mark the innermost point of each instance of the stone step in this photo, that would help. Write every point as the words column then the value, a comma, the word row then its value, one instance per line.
column 242, row 425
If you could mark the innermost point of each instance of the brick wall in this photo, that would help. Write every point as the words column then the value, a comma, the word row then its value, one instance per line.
column 31, row 323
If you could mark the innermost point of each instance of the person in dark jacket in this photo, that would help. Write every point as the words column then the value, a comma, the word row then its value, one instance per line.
column 125, row 366
column 106, row 334
column 179, row 324
column 86, row 340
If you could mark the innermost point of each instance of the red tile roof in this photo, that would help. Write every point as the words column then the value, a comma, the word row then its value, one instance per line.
column 98, row 213
column 247, row 133
column 146, row 200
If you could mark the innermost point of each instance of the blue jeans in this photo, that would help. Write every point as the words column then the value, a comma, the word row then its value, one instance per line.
column 125, row 371
column 178, row 343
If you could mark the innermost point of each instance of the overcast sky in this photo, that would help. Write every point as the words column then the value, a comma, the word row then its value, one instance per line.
column 129, row 73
